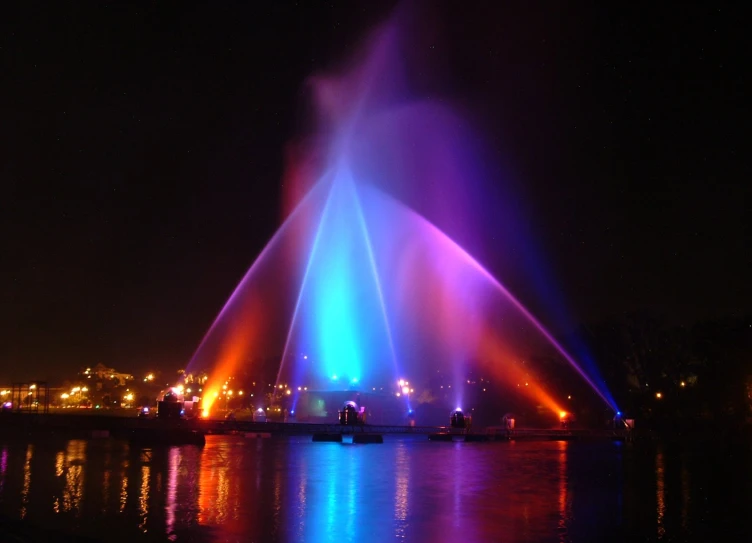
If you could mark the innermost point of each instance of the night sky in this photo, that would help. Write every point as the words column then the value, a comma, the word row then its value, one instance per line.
column 142, row 153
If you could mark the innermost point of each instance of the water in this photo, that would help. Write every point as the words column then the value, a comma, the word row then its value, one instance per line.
column 408, row 489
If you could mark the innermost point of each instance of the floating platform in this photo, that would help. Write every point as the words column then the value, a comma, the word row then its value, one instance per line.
column 327, row 438
column 367, row 438
column 342, row 437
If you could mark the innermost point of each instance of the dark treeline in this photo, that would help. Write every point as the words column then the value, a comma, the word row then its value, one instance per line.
column 666, row 375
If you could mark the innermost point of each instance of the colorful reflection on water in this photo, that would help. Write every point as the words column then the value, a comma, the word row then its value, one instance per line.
column 407, row 489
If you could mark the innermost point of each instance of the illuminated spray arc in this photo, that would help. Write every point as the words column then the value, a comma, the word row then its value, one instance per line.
column 357, row 289
column 359, row 326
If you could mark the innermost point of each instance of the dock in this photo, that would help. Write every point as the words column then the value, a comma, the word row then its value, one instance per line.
column 73, row 426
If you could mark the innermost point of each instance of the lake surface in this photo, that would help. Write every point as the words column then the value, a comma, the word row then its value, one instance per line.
column 407, row 489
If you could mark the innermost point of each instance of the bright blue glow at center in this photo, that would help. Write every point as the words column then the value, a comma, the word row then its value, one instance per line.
column 342, row 325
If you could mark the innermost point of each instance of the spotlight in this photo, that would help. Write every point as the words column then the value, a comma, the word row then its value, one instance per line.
column 457, row 419
column 351, row 414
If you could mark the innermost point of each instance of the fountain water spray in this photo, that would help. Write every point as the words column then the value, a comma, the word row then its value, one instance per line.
column 358, row 288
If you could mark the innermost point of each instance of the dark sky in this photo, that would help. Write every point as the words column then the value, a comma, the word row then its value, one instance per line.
column 142, row 151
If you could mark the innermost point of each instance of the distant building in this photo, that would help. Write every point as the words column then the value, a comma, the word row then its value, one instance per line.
column 102, row 372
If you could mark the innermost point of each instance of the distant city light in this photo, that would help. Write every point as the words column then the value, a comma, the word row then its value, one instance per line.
column 288, row 392
column 405, row 390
